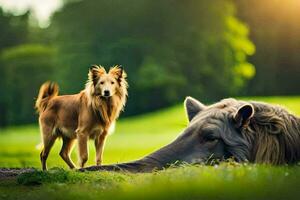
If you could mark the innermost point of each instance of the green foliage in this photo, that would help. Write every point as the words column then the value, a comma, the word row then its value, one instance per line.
column 275, row 31
column 21, row 52
column 170, row 49
column 237, row 39
column 38, row 177
column 59, row 175
column 14, row 29
column 24, row 69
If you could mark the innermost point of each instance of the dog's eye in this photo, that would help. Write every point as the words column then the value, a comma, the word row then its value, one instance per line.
column 102, row 82
column 112, row 82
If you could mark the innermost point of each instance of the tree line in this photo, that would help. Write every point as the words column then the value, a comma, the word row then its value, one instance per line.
column 170, row 49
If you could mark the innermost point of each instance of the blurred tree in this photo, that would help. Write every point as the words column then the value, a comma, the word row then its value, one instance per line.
column 13, row 31
column 275, row 30
column 25, row 68
column 169, row 48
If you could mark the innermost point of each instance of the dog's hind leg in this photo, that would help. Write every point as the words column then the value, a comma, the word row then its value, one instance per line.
column 48, row 141
column 65, row 151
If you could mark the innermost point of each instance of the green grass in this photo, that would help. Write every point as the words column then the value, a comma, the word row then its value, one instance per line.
column 134, row 138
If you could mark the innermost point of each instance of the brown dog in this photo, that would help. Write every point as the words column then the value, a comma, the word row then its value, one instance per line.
column 88, row 114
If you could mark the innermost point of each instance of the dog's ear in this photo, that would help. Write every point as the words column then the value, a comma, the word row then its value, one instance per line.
column 95, row 72
column 118, row 72
column 93, row 67
column 243, row 115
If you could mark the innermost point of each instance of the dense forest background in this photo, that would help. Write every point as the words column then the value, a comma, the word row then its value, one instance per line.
column 169, row 48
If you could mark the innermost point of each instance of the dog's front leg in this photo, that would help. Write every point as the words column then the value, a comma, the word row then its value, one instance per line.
column 83, row 147
column 99, row 145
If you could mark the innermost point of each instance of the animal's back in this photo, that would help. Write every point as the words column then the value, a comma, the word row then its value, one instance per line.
column 62, row 113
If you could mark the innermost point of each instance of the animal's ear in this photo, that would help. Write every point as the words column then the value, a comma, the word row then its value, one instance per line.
column 192, row 107
column 243, row 115
column 95, row 72
column 96, row 69
column 118, row 72
column 93, row 67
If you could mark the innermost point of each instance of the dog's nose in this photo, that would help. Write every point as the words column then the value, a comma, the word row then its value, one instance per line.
column 106, row 93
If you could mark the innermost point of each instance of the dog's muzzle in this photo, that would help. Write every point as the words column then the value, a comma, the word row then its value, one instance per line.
column 106, row 93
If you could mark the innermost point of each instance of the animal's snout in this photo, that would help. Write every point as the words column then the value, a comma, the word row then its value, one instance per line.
column 106, row 93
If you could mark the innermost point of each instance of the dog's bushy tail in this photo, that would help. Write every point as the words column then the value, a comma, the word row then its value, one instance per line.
column 47, row 91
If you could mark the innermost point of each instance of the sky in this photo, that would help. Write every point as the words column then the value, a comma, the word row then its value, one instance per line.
column 42, row 9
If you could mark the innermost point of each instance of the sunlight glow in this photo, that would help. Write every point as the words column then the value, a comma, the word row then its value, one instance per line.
column 41, row 10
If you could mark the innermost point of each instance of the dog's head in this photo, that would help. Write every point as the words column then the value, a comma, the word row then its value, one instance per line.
column 106, row 84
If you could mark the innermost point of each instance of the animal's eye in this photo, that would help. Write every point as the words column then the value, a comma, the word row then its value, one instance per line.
column 210, row 138
column 112, row 82
column 102, row 82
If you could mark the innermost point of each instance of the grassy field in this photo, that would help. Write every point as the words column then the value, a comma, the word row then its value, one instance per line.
column 133, row 138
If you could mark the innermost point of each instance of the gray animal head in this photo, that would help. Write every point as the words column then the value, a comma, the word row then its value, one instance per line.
column 245, row 131
column 215, row 131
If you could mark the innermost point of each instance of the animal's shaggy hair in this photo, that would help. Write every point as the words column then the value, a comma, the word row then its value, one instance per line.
column 272, row 135
column 107, row 109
